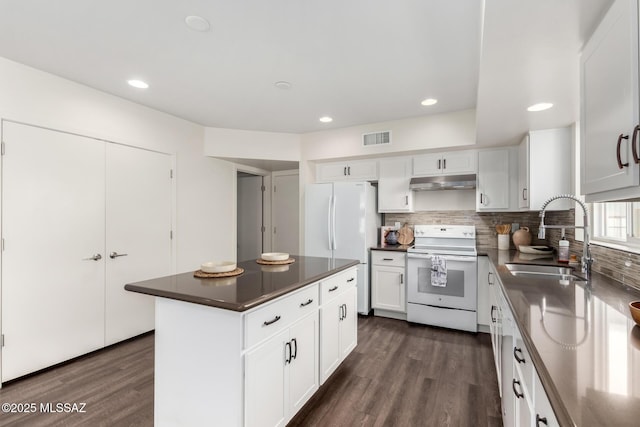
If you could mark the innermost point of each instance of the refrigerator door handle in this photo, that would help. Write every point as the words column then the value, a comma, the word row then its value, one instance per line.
column 329, row 235
column 333, row 223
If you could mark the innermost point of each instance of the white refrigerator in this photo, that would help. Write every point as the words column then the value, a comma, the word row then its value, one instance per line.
column 342, row 221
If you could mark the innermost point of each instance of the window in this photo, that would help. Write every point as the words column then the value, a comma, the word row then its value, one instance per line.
column 618, row 222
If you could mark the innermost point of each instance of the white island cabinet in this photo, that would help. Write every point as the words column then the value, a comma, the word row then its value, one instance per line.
column 247, row 351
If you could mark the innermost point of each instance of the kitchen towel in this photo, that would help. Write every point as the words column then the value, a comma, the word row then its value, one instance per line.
column 438, row 271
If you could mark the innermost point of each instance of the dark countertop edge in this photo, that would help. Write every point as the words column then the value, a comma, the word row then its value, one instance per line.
column 236, row 307
column 391, row 248
column 555, row 398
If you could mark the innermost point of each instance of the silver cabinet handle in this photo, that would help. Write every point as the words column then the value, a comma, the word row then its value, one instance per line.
column 402, row 278
column 113, row 255
column 95, row 257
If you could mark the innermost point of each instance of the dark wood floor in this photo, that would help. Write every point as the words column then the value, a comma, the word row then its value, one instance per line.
column 400, row 374
column 403, row 374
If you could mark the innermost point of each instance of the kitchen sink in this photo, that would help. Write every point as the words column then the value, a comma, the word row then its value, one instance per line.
column 554, row 272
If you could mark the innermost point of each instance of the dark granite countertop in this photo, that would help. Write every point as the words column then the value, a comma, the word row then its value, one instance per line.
column 398, row 248
column 258, row 284
column 582, row 341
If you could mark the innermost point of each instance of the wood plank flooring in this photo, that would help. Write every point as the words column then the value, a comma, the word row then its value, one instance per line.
column 400, row 374
column 403, row 374
column 115, row 383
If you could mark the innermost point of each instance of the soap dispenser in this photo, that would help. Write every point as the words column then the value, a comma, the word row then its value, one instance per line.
column 563, row 250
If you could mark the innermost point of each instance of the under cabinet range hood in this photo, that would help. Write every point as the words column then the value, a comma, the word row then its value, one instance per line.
column 443, row 182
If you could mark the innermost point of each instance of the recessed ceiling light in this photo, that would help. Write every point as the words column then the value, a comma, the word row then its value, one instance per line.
column 429, row 101
column 197, row 23
column 282, row 85
column 138, row 84
column 326, row 119
column 540, row 106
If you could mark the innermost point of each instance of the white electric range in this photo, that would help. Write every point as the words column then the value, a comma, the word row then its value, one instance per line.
column 442, row 270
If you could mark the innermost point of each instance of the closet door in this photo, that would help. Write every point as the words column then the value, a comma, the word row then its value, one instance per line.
column 53, row 215
column 138, row 227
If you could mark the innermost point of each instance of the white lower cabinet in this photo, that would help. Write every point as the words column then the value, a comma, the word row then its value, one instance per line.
column 524, row 401
column 484, row 305
column 388, row 284
column 282, row 374
column 338, row 323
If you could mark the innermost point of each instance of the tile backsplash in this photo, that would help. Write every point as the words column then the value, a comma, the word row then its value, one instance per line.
column 619, row 265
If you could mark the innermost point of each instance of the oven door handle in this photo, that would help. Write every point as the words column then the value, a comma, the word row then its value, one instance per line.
column 445, row 257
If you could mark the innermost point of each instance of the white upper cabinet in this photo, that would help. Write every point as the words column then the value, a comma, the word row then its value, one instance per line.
column 610, row 112
column 452, row 163
column 393, row 185
column 493, row 190
column 359, row 170
column 544, row 168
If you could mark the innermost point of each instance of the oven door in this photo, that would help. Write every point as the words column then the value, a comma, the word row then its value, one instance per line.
column 460, row 291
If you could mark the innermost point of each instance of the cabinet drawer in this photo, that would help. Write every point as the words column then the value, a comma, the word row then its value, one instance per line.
column 337, row 284
column 388, row 258
column 274, row 317
column 522, row 360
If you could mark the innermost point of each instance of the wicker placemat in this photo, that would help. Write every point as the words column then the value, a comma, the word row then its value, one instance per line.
column 265, row 262
column 201, row 274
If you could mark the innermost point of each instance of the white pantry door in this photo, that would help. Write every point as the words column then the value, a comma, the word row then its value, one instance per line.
column 52, row 221
column 138, row 230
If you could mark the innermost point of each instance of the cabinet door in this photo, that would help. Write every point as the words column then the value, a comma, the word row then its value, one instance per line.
column 265, row 383
column 484, row 306
column 138, row 225
column 52, row 220
column 393, row 186
column 329, row 338
column 363, row 171
column 610, row 100
column 327, row 172
column 507, row 365
column 459, row 162
column 427, row 164
column 388, row 288
column 543, row 410
column 493, row 180
column 523, row 173
column 303, row 370
column 349, row 323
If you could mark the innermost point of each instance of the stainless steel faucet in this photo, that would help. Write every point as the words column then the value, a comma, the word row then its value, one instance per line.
column 586, row 260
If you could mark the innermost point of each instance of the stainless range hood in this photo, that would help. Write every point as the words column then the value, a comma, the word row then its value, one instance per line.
column 443, row 182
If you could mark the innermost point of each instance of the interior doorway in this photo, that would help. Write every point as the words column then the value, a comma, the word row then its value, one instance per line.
column 250, row 208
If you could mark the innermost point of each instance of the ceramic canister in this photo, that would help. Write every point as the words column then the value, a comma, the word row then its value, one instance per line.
column 522, row 237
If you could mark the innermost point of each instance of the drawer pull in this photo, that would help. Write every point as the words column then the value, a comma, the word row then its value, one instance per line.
column 351, row 280
column 387, row 259
column 517, row 350
column 271, row 322
column 541, row 420
column 333, row 289
column 513, row 385
column 493, row 319
column 304, row 304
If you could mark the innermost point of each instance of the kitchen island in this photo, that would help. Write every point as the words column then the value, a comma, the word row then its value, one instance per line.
column 250, row 349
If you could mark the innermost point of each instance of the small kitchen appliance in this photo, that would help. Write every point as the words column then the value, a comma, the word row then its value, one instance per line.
column 442, row 277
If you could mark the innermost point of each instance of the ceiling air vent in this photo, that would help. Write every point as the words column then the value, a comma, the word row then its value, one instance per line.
column 376, row 138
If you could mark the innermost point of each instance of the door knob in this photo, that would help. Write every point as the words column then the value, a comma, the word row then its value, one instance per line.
column 95, row 257
column 113, row 255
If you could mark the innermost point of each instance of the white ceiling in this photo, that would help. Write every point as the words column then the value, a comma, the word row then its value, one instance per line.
column 359, row 61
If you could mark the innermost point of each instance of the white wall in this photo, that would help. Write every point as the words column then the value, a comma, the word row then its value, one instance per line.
column 205, row 187
column 247, row 144
column 439, row 131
